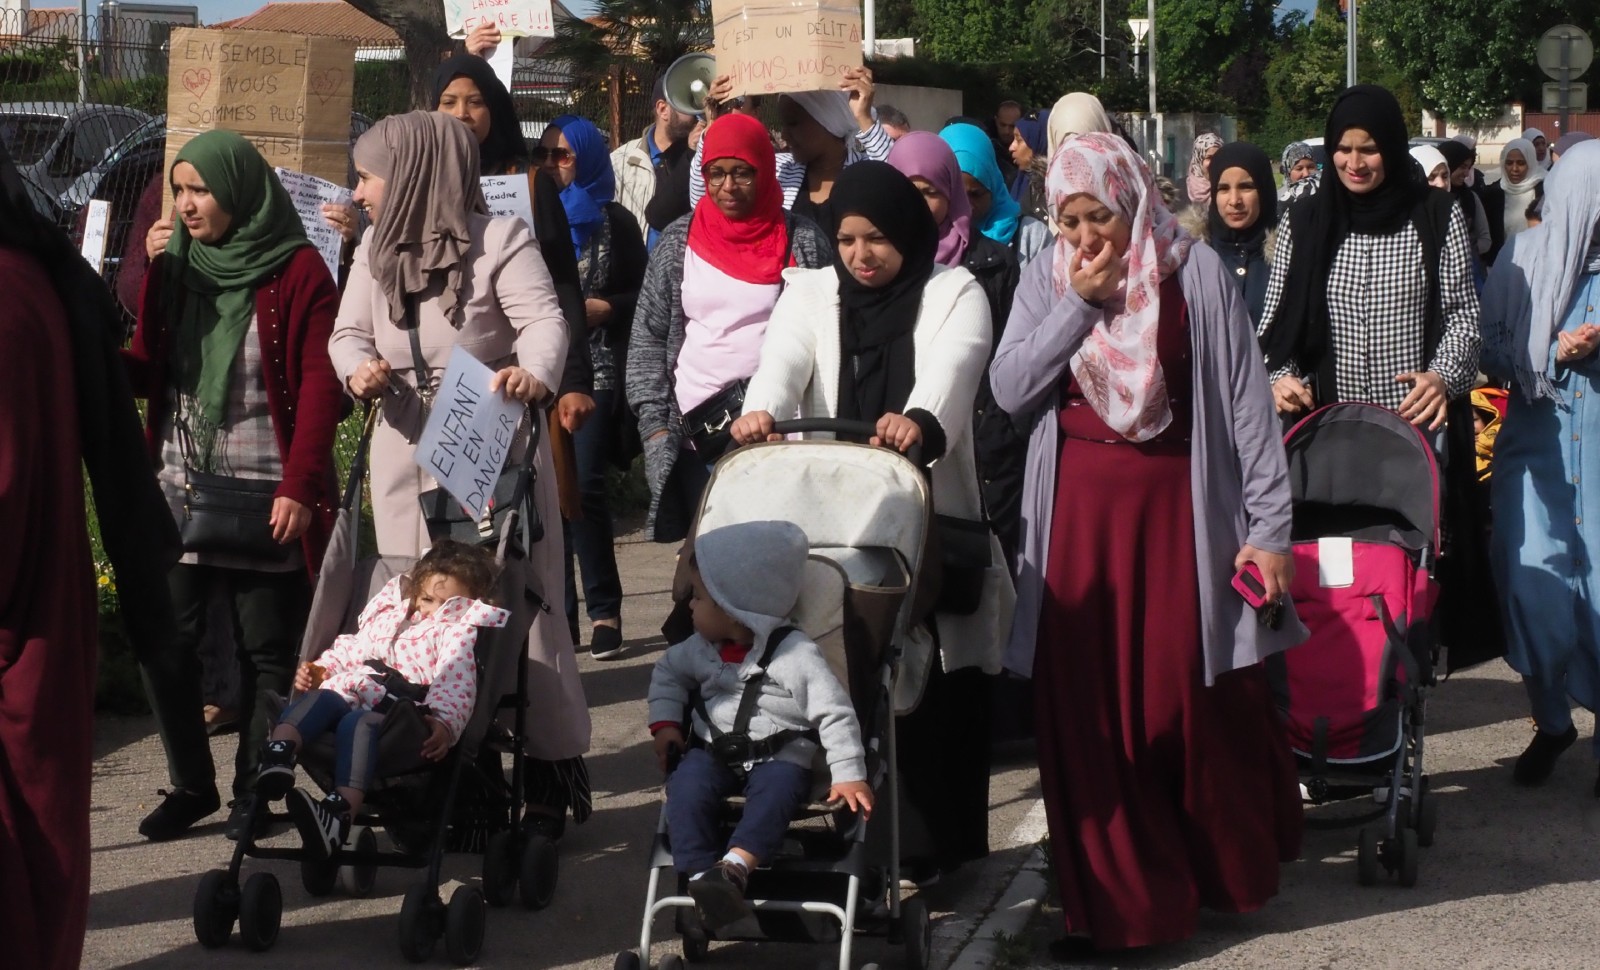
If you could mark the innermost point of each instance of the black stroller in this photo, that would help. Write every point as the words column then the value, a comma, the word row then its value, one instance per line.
column 857, row 596
column 424, row 806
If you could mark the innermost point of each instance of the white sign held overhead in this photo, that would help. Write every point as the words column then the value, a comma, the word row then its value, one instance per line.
column 469, row 433
column 94, row 233
column 504, row 61
column 310, row 194
column 509, row 195
column 515, row 18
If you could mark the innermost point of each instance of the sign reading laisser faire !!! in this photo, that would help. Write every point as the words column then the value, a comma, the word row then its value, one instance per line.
column 288, row 94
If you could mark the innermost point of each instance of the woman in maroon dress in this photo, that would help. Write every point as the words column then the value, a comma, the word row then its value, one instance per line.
column 1154, row 473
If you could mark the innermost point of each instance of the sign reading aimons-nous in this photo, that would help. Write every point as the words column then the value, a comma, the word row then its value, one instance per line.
column 772, row 46
column 288, row 94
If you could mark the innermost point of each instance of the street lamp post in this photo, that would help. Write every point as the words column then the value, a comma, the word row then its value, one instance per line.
column 1102, row 40
column 1350, row 44
column 1141, row 28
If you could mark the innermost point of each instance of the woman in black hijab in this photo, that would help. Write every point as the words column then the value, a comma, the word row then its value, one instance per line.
column 1240, row 218
column 1459, row 158
column 904, row 350
column 66, row 407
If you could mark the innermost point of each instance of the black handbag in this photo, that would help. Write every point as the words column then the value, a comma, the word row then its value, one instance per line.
column 709, row 426
column 964, row 558
column 441, row 512
column 225, row 514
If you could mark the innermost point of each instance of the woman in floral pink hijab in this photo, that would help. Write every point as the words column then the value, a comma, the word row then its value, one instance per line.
column 1155, row 471
column 1199, row 181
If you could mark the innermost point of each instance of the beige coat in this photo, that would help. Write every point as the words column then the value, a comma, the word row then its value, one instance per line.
column 511, row 317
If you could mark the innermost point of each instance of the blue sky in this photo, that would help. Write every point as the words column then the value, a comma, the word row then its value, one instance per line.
column 212, row 11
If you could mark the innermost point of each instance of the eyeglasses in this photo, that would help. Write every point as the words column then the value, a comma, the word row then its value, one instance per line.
column 560, row 156
column 742, row 177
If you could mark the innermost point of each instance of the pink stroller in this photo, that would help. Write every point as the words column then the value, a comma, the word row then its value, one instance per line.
column 1366, row 533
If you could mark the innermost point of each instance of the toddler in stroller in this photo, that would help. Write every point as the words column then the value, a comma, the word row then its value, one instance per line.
column 762, row 699
column 363, row 675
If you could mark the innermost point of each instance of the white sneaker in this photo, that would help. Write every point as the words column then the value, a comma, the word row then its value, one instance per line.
column 322, row 827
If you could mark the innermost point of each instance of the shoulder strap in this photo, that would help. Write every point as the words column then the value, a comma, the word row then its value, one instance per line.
column 418, row 365
column 751, row 696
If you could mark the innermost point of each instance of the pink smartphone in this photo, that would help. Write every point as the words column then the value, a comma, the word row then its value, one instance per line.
column 1250, row 585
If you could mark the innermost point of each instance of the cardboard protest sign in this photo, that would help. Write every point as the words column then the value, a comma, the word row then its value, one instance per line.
column 515, row 18
column 469, row 433
column 288, row 94
column 94, row 233
column 310, row 194
column 509, row 195
column 772, row 46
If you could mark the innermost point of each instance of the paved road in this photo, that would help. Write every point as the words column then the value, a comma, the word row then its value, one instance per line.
column 1513, row 881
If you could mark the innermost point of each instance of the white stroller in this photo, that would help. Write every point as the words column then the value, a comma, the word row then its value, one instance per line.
column 865, row 512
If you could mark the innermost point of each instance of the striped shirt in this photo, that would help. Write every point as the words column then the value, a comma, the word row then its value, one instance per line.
column 873, row 144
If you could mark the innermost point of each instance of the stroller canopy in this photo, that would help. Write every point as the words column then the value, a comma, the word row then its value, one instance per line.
column 1358, row 468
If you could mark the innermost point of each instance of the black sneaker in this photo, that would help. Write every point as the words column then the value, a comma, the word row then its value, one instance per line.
column 719, row 895
column 605, row 642
column 1539, row 760
column 323, row 824
column 240, row 815
column 178, row 811
column 276, row 776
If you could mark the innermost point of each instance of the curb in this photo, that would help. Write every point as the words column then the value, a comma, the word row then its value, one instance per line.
column 1014, row 910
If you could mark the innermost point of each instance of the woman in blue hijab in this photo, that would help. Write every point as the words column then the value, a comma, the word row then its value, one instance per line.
column 994, row 212
column 611, row 262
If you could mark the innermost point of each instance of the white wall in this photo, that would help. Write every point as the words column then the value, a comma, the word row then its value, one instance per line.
column 926, row 108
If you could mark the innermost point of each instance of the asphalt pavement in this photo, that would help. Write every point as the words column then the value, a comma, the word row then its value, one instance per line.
column 1513, row 880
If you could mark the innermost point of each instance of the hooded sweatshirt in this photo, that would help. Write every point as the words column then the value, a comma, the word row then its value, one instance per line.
column 753, row 570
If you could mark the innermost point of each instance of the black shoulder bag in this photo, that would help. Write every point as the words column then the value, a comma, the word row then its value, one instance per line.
column 225, row 513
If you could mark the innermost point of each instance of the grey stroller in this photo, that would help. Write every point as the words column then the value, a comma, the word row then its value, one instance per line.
column 865, row 512
column 423, row 806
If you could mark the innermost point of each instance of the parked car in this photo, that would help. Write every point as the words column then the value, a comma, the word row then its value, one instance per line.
column 52, row 142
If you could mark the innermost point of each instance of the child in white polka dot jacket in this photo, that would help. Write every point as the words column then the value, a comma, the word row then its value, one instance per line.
column 414, row 640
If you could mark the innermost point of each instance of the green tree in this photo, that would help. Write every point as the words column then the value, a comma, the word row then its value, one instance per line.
column 638, row 36
column 1468, row 58
column 971, row 30
column 1198, row 43
column 420, row 24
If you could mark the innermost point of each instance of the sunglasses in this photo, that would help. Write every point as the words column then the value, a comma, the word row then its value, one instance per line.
column 560, row 156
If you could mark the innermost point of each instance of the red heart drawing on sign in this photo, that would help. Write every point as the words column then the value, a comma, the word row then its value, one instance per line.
column 325, row 84
column 197, row 80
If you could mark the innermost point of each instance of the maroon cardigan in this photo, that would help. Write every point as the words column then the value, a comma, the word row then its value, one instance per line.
column 295, row 310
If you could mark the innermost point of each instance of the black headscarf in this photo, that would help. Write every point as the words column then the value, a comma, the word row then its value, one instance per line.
column 1242, row 154
column 1320, row 222
column 136, row 527
column 1456, row 155
column 505, row 145
column 877, row 354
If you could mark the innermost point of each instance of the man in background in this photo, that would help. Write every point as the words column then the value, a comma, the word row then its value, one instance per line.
column 653, row 170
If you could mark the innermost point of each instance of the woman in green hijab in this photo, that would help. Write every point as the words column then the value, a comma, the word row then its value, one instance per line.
column 232, row 353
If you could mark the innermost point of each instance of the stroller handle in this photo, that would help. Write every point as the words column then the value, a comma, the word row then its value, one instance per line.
column 841, row 426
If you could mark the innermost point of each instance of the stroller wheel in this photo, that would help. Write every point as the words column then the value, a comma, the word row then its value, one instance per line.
column 1367, row 857
column 540, row 869
column 918, row 932
column 318, row 876
column 463, row 925
column 1410, row 856
column 500, row 868
column 696, row 945
column 419, row 921
column 627, row 960
column 1427, row 814
column 670, row 962
column 216, row 906
column 358, row 878
column 260, row 911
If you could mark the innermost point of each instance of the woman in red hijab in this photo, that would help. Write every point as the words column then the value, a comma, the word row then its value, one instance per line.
column 702, row 312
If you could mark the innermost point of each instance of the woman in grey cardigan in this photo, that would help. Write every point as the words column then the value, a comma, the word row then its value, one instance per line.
column 1154, row 473
column 712, row 281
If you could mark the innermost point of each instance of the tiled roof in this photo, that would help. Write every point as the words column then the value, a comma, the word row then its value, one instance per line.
column 336, row 19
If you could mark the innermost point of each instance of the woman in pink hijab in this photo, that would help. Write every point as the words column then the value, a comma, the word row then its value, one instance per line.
column 1199, row 183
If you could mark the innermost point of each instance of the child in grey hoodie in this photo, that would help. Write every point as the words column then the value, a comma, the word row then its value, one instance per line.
column 746, row 581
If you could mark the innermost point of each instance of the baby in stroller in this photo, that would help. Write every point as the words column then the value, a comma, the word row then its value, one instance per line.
column 358, row 679
column 763, row 700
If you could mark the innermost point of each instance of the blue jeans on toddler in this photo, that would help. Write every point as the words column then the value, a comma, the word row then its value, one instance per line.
column 774, row 792
column 356, row 741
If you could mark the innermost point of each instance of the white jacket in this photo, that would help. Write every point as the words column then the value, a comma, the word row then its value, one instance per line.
column 799, row 374
column 636, row 178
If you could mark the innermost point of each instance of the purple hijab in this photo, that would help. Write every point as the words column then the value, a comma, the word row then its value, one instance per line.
column 924, row 155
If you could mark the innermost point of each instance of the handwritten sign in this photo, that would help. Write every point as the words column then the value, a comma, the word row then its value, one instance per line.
column 288, row 94
column 469, row 433
column 504, row 62
column 515, row 18
column 94, row 233
column 310, row 194
column 772, row 46
column 508, row 195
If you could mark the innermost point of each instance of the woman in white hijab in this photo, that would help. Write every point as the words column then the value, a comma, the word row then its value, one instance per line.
column 1077, row 113
column 1541, row 149
column 1540, row 332
column 1521, row 184
column 1434, row 168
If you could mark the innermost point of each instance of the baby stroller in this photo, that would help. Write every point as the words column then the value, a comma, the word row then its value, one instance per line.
column 1365, row 486
column 422, row 805
column 865, row 514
